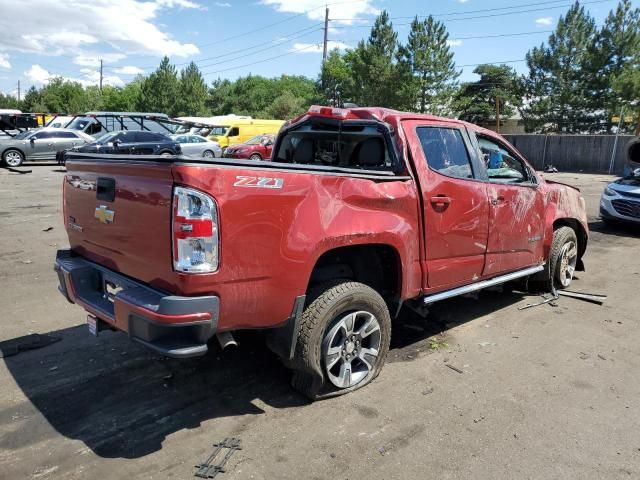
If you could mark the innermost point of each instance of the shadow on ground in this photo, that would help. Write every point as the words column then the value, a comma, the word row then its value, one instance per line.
column 618, row 229
column 122, row 400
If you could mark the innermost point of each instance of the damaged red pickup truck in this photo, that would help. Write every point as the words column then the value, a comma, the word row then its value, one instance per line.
column 360, row 211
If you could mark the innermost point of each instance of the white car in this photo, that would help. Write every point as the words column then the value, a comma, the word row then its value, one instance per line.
column 197, row 146
column 620, row 201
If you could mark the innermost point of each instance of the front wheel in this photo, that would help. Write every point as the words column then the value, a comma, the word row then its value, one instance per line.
column 13, row 158
column 255, row 156
column 561, row 264
column 343, row 340
column 208, row 154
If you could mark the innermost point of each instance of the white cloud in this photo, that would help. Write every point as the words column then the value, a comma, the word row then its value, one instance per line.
column 463, row 1
column 129, row 70
column 56, row 27
column 316, row 47
column 544, row 21
column 223, row 4
column 4, row 61
column 344, row 13
column 454, row 43
column 39, row 76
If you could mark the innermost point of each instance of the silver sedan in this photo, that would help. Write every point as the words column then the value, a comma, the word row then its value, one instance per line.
column 197, row 146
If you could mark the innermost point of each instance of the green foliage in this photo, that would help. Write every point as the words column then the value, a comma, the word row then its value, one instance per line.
column 559, row 84
column 159, row 90
column 432, row 69
column 256, row 96
column 476, row 101
column 335, row 79
column 193, row 92
column 7, row 101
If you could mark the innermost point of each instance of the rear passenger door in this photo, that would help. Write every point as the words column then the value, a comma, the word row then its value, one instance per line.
column 455, row 207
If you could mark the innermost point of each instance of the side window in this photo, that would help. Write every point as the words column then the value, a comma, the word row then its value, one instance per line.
column 502, row 165
column 66, row 135
column 234, row 132
column 181, row 139
column 446, row 151
column 41, row 135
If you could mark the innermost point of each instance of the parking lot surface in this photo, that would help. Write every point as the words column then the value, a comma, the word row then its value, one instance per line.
column 547, row 392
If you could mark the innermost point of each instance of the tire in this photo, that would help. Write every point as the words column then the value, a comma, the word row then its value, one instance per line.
column 166, row 154
column 563, row 256
column 208, row 154
column 343, row 340
column 255, row 156
column 13, row 157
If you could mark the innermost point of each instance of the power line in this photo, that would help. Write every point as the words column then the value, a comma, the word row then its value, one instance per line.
column 485, row 16
column 291, row 52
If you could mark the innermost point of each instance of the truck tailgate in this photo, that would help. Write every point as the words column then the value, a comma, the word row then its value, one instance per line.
column 118, row 214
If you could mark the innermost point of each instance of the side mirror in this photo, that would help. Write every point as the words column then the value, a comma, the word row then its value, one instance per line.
column 32, row 139
column 115, row 143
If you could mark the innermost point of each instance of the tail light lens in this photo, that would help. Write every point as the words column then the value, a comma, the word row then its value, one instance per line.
column 195, row 232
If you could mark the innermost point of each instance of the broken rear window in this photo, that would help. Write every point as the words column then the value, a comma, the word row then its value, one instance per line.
column 344, row 144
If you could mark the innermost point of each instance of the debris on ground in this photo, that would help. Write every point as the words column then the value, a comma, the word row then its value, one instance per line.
column 587, row 297
column 455, row 369
column 601, row 357
column 428, row 391
column 207, row 470
column 550, row 169
column 48, row 229
column 545, row 299
column 27, row 261
column 14, row 346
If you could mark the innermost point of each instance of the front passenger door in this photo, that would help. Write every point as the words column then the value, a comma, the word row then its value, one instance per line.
column 454, row 200
column 517, row 206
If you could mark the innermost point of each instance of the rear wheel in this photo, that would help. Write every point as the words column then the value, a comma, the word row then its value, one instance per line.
column 343, row 340
column 166, row 154
column 13, row 158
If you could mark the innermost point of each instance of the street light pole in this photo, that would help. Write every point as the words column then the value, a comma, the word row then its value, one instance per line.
column 615, row 142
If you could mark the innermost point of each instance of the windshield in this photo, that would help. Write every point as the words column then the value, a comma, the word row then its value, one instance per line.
column 23, row 135
column 255, row 140
column 106, row 138
column 219, row 131
column 80, row 123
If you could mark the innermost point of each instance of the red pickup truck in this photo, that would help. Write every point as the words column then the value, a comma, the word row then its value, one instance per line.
column 360, row 211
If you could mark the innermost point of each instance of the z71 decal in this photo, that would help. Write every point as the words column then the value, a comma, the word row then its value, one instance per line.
column 258, row 182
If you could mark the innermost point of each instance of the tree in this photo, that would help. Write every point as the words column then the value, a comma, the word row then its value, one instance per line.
column 375, row 69
column 8, row 101
column 193, row 92
column 476, row 101
column 616, row 54
column 336, row 80
column 286, row 106
column 32, row 101
column 63, row 96
column 558, row 85
column 429, row 60
column 159, row 90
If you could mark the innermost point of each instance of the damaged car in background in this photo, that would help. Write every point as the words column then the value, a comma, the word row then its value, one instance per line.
column 620, row 200
column 359, row 212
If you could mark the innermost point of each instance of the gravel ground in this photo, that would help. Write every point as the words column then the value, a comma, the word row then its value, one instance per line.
column 548, row 392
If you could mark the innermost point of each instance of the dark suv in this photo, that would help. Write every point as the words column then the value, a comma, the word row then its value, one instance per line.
column 130, row 142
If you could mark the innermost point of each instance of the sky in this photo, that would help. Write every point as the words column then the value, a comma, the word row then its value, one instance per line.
column 232, row 38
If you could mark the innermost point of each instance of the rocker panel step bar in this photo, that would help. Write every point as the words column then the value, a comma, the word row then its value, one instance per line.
column 483, row 284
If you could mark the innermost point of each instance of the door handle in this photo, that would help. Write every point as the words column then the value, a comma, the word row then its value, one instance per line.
column 49, row 144
column 440, row 201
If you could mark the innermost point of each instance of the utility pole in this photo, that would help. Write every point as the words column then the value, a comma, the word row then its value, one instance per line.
column 18, row 90
column 100, row 74
column 326, row 34
column 615, row 142
column 497, row 114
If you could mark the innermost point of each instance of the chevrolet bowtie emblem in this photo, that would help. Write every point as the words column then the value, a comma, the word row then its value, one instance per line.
column 103, row 214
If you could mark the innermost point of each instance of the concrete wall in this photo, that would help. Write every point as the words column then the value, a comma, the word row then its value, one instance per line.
column 572, row 153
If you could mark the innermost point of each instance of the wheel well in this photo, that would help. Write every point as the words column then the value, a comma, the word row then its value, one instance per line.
column 13, row 148
column 377, row 266
column 577, row 227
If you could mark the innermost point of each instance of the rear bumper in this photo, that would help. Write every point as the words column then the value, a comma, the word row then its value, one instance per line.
column 174, row 326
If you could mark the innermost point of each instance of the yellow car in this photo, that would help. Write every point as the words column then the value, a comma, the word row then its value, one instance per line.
column 239, row 131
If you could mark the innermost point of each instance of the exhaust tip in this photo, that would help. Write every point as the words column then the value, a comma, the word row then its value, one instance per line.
column 226, row 340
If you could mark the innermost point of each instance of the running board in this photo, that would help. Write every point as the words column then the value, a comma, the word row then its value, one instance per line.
column 483, row 284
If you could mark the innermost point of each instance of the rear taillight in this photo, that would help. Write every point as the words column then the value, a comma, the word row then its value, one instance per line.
column 195, row 232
